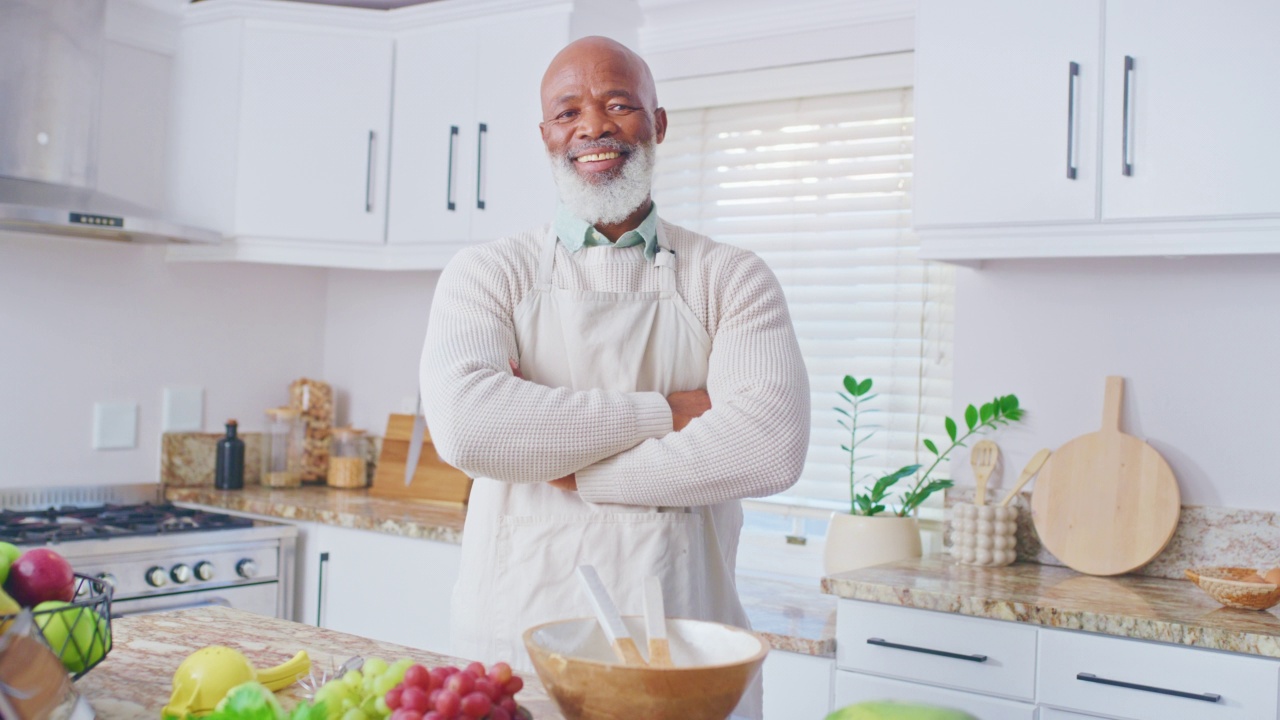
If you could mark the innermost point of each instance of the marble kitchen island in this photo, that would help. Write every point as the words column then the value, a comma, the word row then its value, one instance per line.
column 135, row 679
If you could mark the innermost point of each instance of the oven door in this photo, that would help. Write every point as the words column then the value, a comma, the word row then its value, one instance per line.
column 260, row 598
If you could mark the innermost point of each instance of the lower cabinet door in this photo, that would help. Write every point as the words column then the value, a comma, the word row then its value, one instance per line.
column 1052, row 714
column 797, row 686
column 851, row 687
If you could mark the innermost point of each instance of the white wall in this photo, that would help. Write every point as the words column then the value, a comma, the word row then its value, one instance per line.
column 374, row 328
column 1196, row 339
column 87, row 320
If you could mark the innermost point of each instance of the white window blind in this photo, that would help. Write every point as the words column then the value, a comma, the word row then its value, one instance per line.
column 820, row 188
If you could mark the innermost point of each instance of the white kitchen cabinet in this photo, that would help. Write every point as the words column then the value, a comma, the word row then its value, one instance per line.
column 1167, row 127
column 796, row 685
column 851, row 687
column 380, row 586
column 281, row 128
column 1006, row 111
column 1202, row 109
column 469, row 164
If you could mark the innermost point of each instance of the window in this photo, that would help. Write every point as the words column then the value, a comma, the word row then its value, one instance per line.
column 820, row 188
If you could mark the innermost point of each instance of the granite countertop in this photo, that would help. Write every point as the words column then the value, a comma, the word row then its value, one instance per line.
column 793, row 615
column 331, row 506
column 135, row 679
column 1130, row 606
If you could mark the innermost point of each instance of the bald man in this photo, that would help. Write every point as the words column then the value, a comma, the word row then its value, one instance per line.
column 615, row 383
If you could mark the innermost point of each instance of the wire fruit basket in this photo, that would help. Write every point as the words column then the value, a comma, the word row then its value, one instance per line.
column 78, row 632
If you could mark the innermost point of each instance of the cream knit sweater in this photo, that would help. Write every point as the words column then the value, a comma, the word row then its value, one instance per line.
column 484, row 420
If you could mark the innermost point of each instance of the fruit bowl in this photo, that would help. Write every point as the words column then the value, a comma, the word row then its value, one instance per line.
column 1228, row 586
column 712, row 666
column 78, row 632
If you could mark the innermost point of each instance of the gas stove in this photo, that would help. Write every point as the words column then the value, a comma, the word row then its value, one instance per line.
column 156, row 555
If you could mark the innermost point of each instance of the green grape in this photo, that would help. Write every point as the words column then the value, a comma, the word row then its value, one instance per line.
column 354, row 714
column 353, row 678
column 374, row 666
column 381, row 706
column 384, row 683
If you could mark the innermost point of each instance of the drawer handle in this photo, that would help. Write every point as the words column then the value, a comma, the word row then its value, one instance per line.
column 1206, row 697
column 1073, row 75
column 928, row 651
column 1127, row 168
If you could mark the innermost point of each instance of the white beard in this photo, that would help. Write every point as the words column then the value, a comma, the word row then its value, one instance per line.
column 613, row 199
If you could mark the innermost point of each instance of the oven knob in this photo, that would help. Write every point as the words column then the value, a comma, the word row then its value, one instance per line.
column 156, row 577
column 107, row 579
column 180, row 573
column 204, row 570
column 246, row 568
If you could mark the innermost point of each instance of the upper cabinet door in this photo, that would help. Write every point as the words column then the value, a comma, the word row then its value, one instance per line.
column 1201, row 105
column 1006, row 111
column 314, row 133
column 434, row 121
column 512, row 186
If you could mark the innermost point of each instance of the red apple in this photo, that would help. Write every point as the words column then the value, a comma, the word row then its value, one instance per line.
column 40, row 575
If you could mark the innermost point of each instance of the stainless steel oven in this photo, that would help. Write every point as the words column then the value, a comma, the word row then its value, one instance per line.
column 156, row 555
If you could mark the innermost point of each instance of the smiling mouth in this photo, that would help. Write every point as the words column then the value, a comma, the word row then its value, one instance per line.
column 597, row 157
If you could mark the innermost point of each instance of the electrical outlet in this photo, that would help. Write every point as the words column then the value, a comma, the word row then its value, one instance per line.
column 183, row 409
column 115, row 425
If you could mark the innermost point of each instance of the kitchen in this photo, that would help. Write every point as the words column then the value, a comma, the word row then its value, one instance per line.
column 88, row 322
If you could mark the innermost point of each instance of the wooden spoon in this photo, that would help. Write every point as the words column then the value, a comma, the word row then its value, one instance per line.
column 615, row 631
column 655, row 623
column 1028, row 472
column 983, row 459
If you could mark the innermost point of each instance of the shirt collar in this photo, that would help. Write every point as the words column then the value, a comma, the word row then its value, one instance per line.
column 577, row 233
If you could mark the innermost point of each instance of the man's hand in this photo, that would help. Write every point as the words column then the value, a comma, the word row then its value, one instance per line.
column 568, row 483
column 687, row 405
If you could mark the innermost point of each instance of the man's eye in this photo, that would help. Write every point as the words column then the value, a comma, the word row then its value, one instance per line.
column 621, row 108
column 567, row 115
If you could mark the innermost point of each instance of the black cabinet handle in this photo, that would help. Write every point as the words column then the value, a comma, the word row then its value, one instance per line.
column 1073, row 74
column 324, row 560
column 484, row 133
column 928, row 651
column 1206, row 697
column 448, row 193
column 368, row 176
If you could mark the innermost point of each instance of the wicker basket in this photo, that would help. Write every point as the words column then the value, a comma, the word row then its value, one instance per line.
column 1227, row 586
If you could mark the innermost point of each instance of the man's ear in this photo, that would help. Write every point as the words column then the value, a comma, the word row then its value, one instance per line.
column 660, row 124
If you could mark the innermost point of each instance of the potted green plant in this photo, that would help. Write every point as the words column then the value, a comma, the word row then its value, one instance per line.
column 874, row 531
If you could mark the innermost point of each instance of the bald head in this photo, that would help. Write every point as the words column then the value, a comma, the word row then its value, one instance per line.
column 594, row 60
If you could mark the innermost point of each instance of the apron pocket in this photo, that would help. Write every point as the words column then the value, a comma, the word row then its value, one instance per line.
column 536, row 579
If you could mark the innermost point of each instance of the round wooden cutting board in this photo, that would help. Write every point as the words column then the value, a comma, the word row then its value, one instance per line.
column 1106, row 503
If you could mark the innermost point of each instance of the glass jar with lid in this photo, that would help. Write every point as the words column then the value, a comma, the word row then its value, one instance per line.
column 282, row 448
column 347, row 463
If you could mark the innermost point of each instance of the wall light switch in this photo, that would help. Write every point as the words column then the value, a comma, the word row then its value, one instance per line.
column 183, row 409
column 115, row 425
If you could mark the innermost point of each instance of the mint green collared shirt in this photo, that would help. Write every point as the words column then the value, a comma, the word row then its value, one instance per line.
column 577, row 233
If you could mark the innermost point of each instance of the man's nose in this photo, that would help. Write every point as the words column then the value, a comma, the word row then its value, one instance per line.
column 596, row 123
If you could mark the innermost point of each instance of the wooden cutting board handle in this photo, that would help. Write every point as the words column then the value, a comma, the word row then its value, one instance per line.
column 1111, row 403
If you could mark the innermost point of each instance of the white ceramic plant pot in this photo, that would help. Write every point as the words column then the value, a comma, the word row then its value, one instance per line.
column 855, row 541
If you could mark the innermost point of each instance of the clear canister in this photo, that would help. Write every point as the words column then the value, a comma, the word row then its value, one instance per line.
column 282, row 448
column 347, row 464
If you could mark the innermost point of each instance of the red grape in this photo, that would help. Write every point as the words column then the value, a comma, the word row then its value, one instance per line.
column 403, row 714
column 514, row 685
column 393, row 697
column 476, row 669
column 497, row 713
column 417, row 676
column 509, row 704
column 438, row 676
column 415, row 699
column 500, row 673
column 431, row 697
column 449, row 670
column 476, row 704
column 448, row 703
column 460, row 683
column 433, row 715
column 488, row 687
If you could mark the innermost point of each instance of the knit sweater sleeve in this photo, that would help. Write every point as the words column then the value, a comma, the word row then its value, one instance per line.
column 489, row 423
column 753, row 440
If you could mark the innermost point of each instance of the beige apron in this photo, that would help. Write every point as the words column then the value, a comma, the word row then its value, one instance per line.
column 523, row 542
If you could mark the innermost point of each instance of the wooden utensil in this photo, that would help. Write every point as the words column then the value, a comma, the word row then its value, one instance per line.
column 1106, row 502
column 610, row 621
column 983, row 459
column 655, row 623
column 1028, row 472
column 433, row 480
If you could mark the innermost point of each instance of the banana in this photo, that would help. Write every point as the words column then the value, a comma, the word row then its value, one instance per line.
column 287, row 673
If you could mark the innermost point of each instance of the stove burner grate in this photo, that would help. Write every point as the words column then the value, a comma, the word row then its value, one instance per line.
column 105, row 521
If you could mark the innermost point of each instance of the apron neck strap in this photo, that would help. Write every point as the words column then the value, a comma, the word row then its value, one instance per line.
column 547, row 258
column 664, row 260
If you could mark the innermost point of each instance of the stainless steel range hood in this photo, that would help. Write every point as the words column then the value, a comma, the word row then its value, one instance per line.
column 51, row 56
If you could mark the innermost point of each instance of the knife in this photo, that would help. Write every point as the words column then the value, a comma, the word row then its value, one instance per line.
column 415, row 443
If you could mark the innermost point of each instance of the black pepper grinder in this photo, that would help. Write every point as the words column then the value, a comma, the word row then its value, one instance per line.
column 228, row 472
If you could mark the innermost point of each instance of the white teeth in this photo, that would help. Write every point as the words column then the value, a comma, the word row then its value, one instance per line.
column 597, row 157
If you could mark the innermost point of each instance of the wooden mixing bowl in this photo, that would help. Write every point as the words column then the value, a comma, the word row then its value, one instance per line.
column 1225, row 585
column 713, row 665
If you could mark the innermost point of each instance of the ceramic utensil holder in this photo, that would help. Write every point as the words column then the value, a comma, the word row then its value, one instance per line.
column 983, row 534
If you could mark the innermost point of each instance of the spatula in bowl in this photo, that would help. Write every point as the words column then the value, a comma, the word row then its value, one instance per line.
column 983, row 459
column 615, row 631
column 655, row 623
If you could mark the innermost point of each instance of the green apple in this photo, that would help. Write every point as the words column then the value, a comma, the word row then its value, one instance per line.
column 71, row 633
column 896, row 711
column 8, row 553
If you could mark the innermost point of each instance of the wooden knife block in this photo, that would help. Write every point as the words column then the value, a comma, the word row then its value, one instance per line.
column 434, row 480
